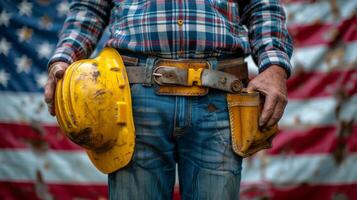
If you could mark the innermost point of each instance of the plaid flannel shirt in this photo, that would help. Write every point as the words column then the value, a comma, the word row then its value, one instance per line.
column 179, row 29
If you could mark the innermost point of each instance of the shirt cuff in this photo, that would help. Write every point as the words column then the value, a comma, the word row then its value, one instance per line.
column 62, row 54
column 268, row 58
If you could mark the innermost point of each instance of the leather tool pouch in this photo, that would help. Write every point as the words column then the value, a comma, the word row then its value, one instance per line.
column 181, row 90
column 244, row 111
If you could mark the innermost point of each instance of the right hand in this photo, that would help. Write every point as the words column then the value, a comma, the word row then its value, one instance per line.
column 56, row 72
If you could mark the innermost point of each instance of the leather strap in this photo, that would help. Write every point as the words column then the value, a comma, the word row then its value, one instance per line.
column 231, row 77
column 167, row 75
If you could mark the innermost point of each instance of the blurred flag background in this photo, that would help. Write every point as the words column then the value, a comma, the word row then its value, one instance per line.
column 314, row 156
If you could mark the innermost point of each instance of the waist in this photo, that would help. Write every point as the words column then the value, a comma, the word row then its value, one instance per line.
column 235, row 59
column 227, row 73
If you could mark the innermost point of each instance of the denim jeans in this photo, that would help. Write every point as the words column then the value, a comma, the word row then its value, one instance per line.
column 190, row 133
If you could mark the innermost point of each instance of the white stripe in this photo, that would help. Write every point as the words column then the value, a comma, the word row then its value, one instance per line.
column 314, row 169
column 74, row 167
column 313, row 59
column 321, row 11
column 25, row 107
column 55, row 167
column 318, row 111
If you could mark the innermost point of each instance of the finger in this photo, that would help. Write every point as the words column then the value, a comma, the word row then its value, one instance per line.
column 278, row 113
column 59, row 72
column 268, row 110
column 51, row 109
column 49, row 94
column 251, row 86
column 58, row 69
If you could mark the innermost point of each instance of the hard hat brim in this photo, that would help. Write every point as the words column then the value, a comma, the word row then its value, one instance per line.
column 116, row 157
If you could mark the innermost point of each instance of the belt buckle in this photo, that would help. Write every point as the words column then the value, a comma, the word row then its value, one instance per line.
column 190, row 86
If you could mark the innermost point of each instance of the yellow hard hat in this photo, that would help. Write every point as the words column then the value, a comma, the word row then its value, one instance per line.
column 93, row 109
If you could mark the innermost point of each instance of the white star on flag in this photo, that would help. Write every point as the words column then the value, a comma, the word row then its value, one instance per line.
column 23, row 64
column 4, row 46
column 4, row 18
column 41, row 79
column 62, row 8
column 25, row 8
column 44, row 50
column 4, row 77
column 24, row 33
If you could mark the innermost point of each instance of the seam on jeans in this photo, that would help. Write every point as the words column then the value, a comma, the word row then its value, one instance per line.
column 189, row 112
column 175, row 118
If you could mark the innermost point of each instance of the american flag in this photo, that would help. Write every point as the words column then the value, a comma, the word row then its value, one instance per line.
column 314, row 156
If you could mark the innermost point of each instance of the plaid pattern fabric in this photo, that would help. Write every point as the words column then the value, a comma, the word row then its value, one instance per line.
column 179, row 29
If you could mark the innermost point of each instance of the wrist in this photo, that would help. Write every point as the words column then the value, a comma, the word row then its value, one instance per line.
column 278, row 70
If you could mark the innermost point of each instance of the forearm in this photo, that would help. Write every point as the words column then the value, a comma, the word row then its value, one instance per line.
column 83, row 27
column 270, row 41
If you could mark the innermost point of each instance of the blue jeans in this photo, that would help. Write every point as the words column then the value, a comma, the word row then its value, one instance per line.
column 192, row 132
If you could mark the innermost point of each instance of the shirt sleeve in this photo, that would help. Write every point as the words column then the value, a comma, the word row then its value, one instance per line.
column 82, row 29
column 269, row 39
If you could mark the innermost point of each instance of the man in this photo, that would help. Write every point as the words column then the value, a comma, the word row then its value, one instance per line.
column 191, row 131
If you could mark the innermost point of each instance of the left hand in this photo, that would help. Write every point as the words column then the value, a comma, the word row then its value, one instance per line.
column 272, row 84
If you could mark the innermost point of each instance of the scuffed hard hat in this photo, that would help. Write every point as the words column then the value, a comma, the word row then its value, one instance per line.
column 93, row 109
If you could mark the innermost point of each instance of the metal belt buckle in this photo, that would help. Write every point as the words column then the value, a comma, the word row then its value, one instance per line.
column 180, row 77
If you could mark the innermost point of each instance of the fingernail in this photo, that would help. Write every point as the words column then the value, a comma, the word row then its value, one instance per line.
column 261, row 122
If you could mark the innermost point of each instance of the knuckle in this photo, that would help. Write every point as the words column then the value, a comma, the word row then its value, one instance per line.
column 275, row 117
column 48, row 100
column 269, row 110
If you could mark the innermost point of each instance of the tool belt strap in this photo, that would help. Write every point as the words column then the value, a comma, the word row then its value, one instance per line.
column 231, row 77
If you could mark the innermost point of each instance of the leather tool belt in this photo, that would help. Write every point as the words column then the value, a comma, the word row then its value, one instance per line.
column 195, row 77
column 192, row 77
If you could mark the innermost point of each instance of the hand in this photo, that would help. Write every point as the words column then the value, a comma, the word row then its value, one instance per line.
column 56, row 72
column 272, row 84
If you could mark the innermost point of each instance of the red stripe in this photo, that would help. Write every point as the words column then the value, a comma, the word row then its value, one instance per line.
column 23, row 136
column 316, row 140
column 303, row 85
column 305, row 141
column 327, row 34
column 31, row 191
column 298, row 192
column 36, row 191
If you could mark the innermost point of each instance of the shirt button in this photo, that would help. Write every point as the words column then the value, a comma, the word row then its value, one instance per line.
column 180, row 22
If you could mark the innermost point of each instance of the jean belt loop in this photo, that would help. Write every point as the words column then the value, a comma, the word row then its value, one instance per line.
column 213, row 62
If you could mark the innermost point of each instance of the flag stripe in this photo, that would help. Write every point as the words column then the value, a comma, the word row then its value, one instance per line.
column 28, row 190
column 315, row 140
column 317, row 84
column 314, row 111
column 323, row 139
column 40, row 190
column 319, row 111
column 317, row 33
column 298, row 192
column 55, row 167
column 23, row 136
column 75, row 168
column 321, row 11
column 324, row 169
column 319, row 59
